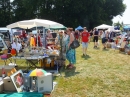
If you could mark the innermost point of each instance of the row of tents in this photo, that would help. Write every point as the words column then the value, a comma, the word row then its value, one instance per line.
column 108, row 27
column 103, row 26
column 27, row 24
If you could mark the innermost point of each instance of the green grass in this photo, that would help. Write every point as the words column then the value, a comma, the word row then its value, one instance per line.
column 104, row 73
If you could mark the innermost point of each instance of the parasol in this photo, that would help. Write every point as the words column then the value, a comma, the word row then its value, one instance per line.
column 37, row 72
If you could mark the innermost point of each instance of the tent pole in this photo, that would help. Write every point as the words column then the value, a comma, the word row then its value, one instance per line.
column 37, row 36
column 44, row 37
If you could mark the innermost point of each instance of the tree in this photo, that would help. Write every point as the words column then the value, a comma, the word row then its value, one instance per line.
column 5, row 12
column 71, row 13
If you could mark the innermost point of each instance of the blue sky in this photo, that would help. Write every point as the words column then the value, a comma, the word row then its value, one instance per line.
column 126, row 15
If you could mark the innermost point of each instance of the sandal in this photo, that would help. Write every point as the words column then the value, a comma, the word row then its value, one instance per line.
column 68, row 65
column 71, row 66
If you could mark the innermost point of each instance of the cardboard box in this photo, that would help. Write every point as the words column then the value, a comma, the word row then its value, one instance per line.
column 7, row 69
column 8, row 84
column 1, row 86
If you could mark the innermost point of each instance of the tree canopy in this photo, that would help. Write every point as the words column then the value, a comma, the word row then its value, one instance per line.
column 71, row 13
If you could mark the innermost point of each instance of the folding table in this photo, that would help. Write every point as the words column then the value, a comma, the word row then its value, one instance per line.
column 31, row 61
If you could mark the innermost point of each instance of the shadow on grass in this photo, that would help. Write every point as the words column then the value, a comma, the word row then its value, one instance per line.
column 105, row 49
column 97, row 48
column 70, row 72
column 86, row 57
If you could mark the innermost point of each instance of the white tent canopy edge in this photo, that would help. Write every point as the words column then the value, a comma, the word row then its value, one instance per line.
column 35, row 23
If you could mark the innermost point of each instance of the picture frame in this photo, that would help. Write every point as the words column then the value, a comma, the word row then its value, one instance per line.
column 17, row 79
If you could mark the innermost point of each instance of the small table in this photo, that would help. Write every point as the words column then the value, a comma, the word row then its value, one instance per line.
column 31, row 61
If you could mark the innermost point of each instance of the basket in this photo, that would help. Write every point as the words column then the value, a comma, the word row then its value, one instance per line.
column 108, row 45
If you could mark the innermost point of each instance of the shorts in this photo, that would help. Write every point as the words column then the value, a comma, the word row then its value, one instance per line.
column 84, row 44
column 104, row 40
column 95, row 39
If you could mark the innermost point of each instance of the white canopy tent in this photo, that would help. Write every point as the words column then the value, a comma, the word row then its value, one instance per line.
column 35, row 23
column 103, row 26
column 27, row 24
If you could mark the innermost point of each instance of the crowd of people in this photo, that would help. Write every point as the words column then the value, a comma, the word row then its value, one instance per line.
column 64, row 40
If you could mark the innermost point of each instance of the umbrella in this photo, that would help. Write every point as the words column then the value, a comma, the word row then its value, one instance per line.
column 37, row 72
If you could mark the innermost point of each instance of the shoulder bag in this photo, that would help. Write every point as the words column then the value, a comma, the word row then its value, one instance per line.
column 75, row 44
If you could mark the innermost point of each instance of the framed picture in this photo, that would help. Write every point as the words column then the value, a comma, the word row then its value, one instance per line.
column 17, row 79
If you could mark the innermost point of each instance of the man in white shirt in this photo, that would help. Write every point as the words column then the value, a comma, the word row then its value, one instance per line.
column 16, row 45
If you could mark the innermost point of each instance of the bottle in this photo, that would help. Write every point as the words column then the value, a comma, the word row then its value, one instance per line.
column 3, row 72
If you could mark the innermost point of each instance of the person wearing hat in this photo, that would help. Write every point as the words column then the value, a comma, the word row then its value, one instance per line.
column 60, row 41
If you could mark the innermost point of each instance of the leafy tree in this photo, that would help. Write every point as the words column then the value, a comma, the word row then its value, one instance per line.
column 71, row 13
column 5, row 12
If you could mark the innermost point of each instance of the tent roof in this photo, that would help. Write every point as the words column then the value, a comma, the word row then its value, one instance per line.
column 79, row 28
column 34, row 23
column 103, row 26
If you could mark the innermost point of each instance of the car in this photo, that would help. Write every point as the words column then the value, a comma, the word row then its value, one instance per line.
column 5, row 34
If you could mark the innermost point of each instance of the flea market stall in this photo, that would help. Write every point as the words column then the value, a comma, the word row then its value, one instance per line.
column 45, row 24
column 42, row 58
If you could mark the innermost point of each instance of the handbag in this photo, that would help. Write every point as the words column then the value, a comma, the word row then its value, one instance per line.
column 75, row 44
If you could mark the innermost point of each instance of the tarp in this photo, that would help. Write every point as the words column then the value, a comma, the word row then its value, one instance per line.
column 79, row 28
column 103, row 26
column 35, row 23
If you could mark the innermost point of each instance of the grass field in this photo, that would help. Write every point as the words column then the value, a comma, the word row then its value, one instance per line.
column 103, row 73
